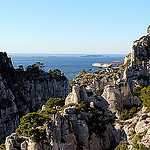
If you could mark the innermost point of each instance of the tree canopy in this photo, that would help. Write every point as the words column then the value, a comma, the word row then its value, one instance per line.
column 29, row 126
column 55, row 102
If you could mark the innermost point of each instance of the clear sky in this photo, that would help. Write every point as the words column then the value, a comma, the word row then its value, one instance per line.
column 72, row 26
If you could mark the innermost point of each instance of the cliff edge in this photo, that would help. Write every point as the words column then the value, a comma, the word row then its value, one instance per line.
column 23, row 91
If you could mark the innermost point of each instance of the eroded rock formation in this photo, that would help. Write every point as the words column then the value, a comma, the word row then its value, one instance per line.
column 22, row 92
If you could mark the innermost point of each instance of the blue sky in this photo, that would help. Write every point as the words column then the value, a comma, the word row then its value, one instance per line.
column 72, row 26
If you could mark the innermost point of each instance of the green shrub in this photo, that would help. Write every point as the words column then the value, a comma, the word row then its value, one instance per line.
column 2, row 147
column 112, row 84
column 83, row 106
column 128, row 63
column 139, row 137
column 48, row 111
column 35, row 67
column 122, row 146
column 128, row 114
column 132, row 136
column 38, row 65
column 139, row 63
column 99, row 91
column 56, row 73
column 54, row 102
column 136, row 139
column 137, row 91
column 28, row 126
column 145, row 96
column 142, row 147
column 134, row 143
column 145, row 131
column 97, row 125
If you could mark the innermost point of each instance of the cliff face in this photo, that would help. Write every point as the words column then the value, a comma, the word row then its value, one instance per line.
column 138, row 73
column 69, row 130
column 22, row 92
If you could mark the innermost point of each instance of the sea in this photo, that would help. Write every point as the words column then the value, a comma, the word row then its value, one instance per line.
column 69, row 64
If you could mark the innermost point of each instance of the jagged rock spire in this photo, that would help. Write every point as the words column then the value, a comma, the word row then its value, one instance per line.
column 148, row 30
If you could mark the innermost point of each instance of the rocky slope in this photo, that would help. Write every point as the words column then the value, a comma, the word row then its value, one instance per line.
column 103, row 110
column 22, row 92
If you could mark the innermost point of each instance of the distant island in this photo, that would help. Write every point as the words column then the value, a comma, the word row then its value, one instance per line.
column 94, row 56
column 114, row 63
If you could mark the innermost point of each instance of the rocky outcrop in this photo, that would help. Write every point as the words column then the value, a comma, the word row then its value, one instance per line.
column 119, row 96
column 22, row 92
column 148, row 30
column 127, row 59
column 74, row 96
column 138, row 73
column 80, row 93
column 138, row 126
column 67, row 131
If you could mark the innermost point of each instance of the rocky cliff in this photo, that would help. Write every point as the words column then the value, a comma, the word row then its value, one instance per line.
column 103, row 109
column 22, row 92
column 71, row 129
column 138, row 73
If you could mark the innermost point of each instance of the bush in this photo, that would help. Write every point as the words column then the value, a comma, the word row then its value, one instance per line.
column 137, row 91
column 48, row 112
column 128, row 114
column 55, row 102
column 134, row 143
column 2, row 147
column 28, row 126
column 145, row 96
column 83, row 106
column 128, row 63
column 122, row 146
column 56, row 73
column 97, row 123
column 139, row 63
column 35, row 67
column 38, row 65
column 142, row 147
column 138, row 138
column 99, row 91
column 112, row 84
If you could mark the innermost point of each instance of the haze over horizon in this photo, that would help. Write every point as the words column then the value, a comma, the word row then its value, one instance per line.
column 72, row 27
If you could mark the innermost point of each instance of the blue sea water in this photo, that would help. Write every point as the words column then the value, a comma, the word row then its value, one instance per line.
column 71, row 65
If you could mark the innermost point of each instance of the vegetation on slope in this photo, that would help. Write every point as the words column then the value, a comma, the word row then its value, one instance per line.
column 34, row 124
column 128, row 113
column 122, row 146
column 145, row 96
column 29, row 126
column 2, row 147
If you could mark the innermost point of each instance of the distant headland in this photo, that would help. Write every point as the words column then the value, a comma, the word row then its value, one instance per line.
column 94, row 55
